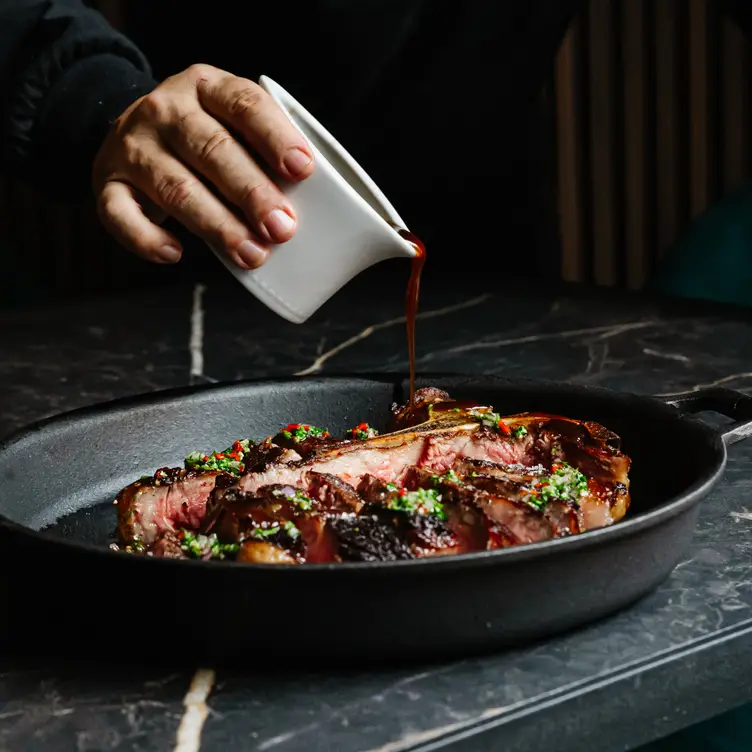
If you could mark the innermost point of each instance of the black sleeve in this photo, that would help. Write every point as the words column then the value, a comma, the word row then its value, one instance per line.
column 65, row 75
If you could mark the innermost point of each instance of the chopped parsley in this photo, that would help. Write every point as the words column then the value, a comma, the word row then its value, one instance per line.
column 298, row 432
column 565, row 483
column 229, row 461
column 295, row 496
column 363, row 431
column 261, row 533
column 200, row 546
column 422, row 501
column 491, row 419
column 449, row 475
column 519, row 432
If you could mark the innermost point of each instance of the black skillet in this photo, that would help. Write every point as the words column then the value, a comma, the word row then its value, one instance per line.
column 63, row 588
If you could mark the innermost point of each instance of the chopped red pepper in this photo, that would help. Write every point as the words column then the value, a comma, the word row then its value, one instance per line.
column 503, row 427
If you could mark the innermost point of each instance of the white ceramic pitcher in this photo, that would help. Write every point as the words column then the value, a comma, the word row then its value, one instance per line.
column 345, row 224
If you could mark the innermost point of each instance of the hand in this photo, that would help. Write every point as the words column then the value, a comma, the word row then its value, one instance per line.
column 162, row 154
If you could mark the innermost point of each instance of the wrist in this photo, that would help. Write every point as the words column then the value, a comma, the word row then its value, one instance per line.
column 78, row 112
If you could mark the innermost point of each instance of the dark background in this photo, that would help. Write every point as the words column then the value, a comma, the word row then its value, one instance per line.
column 643, row 123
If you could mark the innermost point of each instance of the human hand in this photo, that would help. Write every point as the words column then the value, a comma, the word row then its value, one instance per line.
column 193, row 149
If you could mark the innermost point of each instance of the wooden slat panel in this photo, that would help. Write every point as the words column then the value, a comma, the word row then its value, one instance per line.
column 636, row 142
column 570, row 156
column 602, row 75
column 667, row 123
column 700, row 158
column 735, row 84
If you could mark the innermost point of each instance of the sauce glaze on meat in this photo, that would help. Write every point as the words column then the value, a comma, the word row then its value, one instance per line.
column 450, row 477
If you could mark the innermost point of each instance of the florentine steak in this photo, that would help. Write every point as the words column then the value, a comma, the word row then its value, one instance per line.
column 451, row 477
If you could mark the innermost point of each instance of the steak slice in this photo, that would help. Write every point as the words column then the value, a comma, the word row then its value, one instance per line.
column 332, row 494
column 170, row 499
column 266, row 454
column 595, row 505
column 560, row 515
column 304, row 439
column 422, row 521
column 511, row 521
column 234, row 515
column 260, row 523
column 434, row 446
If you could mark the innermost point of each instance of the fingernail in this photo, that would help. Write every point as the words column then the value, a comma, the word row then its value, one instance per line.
column 252, row 254
column 279, row 225
column 296, row 162
column 169, row 254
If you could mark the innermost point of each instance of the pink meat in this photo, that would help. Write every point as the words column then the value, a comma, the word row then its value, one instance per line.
column 171, row 499
column 436, row 452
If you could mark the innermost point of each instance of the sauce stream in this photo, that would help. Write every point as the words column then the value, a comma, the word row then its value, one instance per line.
column 411, row 302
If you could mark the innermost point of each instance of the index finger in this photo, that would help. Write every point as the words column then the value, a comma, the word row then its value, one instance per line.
column 246, row 108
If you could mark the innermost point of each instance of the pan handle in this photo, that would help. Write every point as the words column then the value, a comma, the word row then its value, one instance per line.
column 728, row 402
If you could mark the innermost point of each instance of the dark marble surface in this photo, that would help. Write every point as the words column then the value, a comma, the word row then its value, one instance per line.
column 681, row 655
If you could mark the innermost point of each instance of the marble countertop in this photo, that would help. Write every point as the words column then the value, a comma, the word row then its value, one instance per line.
column 679, row 656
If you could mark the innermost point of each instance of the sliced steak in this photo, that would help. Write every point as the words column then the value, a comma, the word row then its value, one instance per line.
column 332, row 494
column 266, row 454
column 373, row 490
column 305, row 439
column 511, row 520
column 434, row 446
column 424, row 522
column 466, row 468
column 170, row 499
column 561, row 517
column 453, row 477
column 237, row 517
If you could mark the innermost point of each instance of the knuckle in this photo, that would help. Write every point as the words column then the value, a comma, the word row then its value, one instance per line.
column 157, row 105
column 259, row 195
column 247, row 101
column 176, row 192
column 198, row 71
column 132, row 147
column 223, row 236
column 214, row 142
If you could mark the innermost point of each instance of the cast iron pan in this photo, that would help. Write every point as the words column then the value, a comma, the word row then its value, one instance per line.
column 64, row 590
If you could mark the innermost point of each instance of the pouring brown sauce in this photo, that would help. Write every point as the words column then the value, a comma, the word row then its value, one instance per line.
column 411, row 310
column 411, row 301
